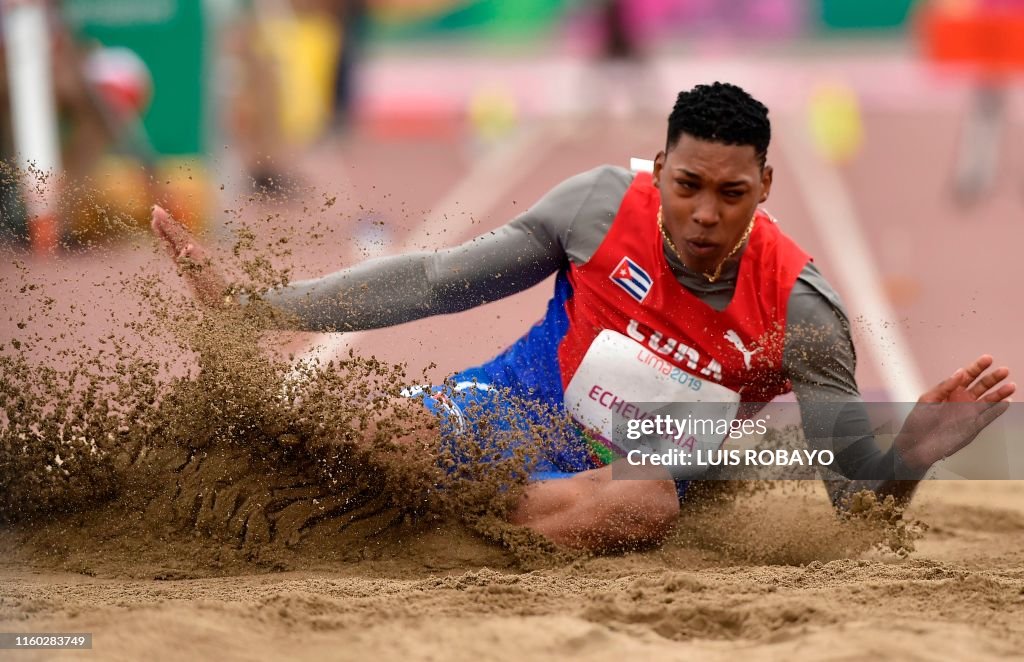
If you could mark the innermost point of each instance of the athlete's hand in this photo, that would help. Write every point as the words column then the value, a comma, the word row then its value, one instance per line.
column 193, row 261
column 950, row 415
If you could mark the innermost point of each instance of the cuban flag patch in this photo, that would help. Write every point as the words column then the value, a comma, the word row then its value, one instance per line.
column 629, row 276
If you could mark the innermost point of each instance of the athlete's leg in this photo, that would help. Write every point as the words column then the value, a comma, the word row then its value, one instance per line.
column 592, row 511
column 588, row 510
column 584, row 510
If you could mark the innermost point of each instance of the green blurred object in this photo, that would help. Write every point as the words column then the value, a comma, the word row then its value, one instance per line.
column 489, row 18
column 865, row 14
column 173, row 39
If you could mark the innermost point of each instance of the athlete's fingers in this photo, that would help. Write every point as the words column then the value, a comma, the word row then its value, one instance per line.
column 980, row 365
column 945, row 388
column 991, row 413
column 987, row 381
column 967, row 429
column 157, row 223
column 173, row 233
column 1000, row 394
column 190, row 250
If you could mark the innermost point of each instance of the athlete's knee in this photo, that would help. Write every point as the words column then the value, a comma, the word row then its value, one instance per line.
column 594, row 512
column 627, row 514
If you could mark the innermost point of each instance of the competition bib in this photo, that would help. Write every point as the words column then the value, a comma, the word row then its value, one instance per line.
column 619, row 379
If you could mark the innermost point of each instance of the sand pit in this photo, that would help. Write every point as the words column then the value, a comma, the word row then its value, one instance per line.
column 438, row 591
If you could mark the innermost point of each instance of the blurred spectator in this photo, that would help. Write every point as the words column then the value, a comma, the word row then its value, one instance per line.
column 94, row 110
column 621, row 81
column 984, row 40
column 352, row 19
column 254, row 115
column 294, row 68
column 618, row 37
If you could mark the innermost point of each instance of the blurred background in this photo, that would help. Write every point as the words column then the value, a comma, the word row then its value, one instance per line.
column 370, row 127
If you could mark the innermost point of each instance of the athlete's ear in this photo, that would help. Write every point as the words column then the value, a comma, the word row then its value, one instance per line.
column 659, row 163
column 766, row 182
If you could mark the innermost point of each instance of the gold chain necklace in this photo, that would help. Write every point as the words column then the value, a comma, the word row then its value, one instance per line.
column 718, row 270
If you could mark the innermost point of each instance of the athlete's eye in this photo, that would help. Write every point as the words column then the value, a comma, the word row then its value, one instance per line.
column 687, row 185
column 733, row 194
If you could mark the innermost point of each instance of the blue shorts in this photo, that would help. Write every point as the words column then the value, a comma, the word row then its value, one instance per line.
column 470, row 391
column 468, row 395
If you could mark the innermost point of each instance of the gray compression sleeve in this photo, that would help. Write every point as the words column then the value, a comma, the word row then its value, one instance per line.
column 393, row 290
column 516, row 256
column 402, row 288
column 820, row 361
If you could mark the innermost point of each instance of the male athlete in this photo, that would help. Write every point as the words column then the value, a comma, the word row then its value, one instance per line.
column 681, row 264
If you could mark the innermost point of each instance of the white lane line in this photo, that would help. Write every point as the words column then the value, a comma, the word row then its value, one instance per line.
column 489, row 181
column 850, row 259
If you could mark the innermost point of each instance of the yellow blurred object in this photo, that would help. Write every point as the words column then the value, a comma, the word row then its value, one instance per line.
column 112, row 200
column 835, row 122
column 120, row 193
column 306, row 50
column 184, row 191
column 493, row 112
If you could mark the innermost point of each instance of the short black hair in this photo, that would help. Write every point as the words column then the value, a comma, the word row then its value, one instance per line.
column 721, row 113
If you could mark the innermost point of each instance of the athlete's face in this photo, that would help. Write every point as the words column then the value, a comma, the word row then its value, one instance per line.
column 709, row 193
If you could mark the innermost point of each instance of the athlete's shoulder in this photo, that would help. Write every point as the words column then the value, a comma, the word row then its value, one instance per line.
column 605, row 178
column 813, row 292
column 775, row 230
column 614, row 171
column 581, row 209
column 584, row 193
column 602, row 185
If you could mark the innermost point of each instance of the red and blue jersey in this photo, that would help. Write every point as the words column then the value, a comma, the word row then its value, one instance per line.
column 628, row 287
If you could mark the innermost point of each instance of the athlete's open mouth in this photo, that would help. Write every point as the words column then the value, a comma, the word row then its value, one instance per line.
column 701, row 247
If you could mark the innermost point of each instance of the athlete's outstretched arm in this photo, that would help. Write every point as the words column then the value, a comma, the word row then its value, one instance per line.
column 402, row 288
column 392, row 290
column 820, row 361
column 389, row 290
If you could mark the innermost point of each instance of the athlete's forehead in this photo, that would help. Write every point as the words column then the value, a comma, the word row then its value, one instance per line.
column 713, row 161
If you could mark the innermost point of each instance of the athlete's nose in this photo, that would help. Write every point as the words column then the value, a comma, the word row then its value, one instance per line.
column 705, row 210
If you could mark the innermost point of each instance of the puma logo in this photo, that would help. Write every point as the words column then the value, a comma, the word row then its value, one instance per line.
column 737, row 342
